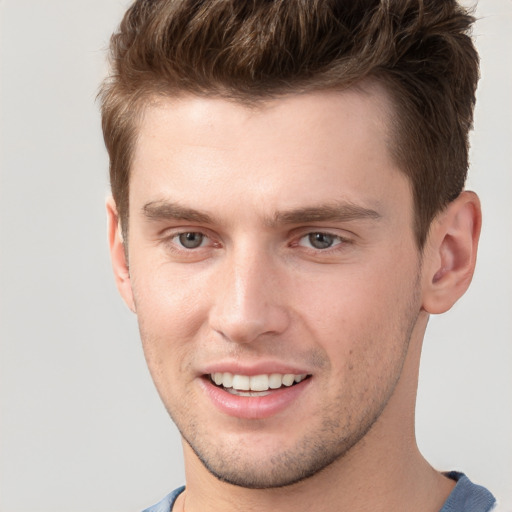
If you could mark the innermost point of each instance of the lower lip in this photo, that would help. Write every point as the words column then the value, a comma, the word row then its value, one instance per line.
column 254, row 407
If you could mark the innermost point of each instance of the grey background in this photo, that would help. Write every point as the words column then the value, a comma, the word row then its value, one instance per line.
column 81, row 427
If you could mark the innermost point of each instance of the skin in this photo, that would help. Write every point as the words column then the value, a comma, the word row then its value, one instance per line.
column 255, row 183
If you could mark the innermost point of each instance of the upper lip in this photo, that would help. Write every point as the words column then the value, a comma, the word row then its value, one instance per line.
column 260, row 368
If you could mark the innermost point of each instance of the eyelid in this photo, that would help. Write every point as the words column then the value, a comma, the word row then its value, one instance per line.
column 173, row 231
column 342, row 234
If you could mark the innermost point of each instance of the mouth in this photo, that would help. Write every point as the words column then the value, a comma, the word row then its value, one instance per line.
column 254, row 385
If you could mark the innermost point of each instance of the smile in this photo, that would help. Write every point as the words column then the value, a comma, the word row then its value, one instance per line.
column 255, row 396
column 254, row 385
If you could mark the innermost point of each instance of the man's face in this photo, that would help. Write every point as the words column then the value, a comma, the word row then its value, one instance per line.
column 269, row 246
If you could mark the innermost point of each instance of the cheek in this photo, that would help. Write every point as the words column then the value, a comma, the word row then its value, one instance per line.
column 170, row 314
column 345, row 303
column 167, row 301
column 362, row 318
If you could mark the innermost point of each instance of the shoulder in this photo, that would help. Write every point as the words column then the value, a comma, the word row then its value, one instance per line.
column 467, row 496
column 167, row 503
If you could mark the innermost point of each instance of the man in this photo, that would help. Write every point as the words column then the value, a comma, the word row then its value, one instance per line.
column 288, row 210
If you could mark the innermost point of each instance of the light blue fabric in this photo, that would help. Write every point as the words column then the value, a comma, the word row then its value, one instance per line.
column 167, row 503
column 465, row 497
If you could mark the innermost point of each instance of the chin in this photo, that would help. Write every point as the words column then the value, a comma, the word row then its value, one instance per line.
column 277, row 467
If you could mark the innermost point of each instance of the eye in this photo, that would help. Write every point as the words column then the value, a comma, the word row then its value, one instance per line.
column 190, row 239
column 319, row 240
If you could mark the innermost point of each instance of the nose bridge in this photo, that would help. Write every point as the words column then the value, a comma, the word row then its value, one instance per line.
column 249, row 300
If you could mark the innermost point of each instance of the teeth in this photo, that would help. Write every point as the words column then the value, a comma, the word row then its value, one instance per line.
column 232, row 391
column 275, row 381
column 256, row 382
column 241, row 382
column 288, row 379
column 259, row 383
column 227, row 380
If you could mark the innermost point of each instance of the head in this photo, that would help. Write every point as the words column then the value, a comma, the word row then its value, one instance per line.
column 247, row 52
column 288, row 177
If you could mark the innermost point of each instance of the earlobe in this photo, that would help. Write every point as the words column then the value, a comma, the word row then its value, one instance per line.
column 118, row 255
column 450, row 253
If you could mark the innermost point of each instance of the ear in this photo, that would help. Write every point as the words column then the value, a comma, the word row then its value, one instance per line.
column 450, row 253
column 118, row 255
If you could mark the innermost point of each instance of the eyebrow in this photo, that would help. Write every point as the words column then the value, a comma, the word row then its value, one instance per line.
column 333, row 212
column 164, row 210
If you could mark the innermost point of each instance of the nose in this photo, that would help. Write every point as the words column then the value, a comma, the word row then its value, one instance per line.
column 249, row 301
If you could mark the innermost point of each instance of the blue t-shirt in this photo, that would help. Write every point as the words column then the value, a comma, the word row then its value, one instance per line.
column 465, row 497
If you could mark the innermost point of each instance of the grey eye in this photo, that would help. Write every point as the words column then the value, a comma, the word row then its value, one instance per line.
column 321, row 240
column 191, row 240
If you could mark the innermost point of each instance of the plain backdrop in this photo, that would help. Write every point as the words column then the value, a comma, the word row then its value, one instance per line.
column 81, row 427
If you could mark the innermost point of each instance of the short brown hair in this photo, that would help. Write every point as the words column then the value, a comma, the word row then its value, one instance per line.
column 251, row 50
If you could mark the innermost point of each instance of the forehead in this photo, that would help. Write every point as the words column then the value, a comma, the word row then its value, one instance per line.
column 281, row 152
column 365, row 107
